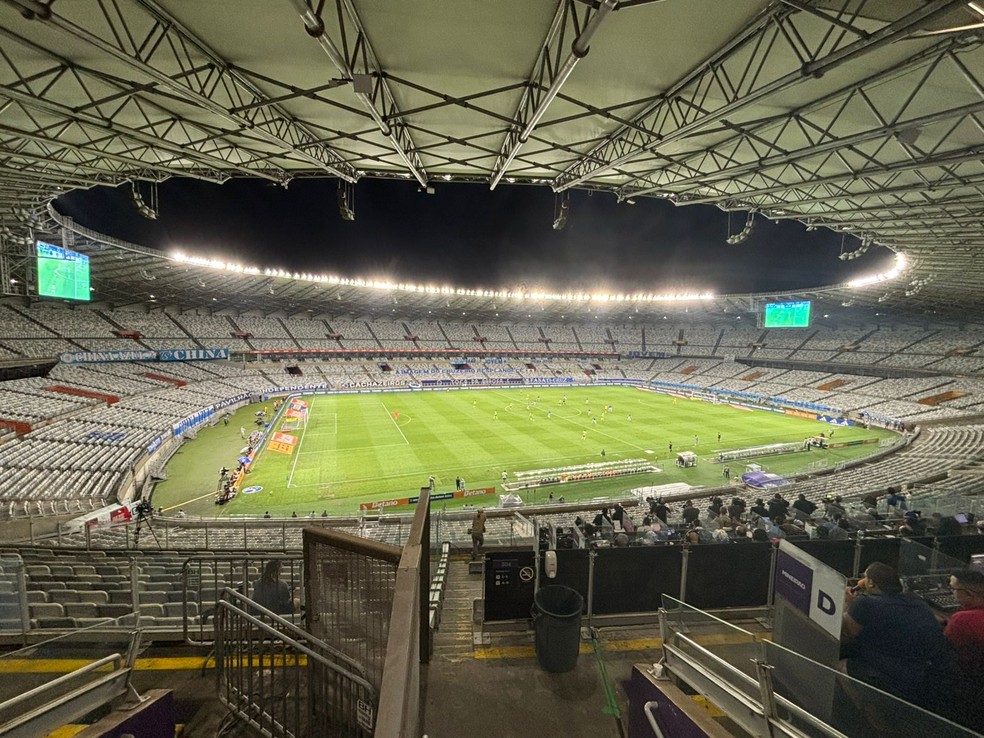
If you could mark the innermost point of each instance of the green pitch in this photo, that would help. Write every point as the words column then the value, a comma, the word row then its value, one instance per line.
column 359, row 448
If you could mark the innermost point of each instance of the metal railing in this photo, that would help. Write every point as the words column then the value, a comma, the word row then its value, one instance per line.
column 771, row 691
column 38, row 704
column 207, row 576
column 282, row 681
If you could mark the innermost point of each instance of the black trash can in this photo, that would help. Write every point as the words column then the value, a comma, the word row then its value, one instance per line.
column 557, row 625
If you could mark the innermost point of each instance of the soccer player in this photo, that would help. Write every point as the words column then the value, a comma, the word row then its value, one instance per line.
column 719, row 438
column 594, row 421
column 696, row 440
column 495, row 415
column 584, row 434
column 630, row 417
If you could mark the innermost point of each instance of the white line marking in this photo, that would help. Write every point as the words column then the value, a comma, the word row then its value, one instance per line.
column 390, row 415
column 297, row 451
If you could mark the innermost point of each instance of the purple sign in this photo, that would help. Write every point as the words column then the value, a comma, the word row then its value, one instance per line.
column 794, row 582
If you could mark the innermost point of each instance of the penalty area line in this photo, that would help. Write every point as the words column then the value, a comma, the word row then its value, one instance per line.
column 398, row 428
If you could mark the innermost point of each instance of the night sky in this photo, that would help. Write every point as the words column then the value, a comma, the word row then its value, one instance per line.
column 468, row 236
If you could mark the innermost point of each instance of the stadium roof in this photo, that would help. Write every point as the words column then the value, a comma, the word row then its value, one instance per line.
column 864, row 116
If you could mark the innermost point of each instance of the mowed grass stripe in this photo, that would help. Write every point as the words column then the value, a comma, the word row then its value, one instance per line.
column 456, row 433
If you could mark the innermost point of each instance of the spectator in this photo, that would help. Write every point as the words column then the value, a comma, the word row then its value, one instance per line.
column 838, row 532
column 737, row 508
column 965, row 631
column 949, row 527
column 871, row 501
column 760, row 509
column 804, row 508
column 271, row 592
column 777, row 506
column 775, row 530
column 477, row 532
column 893, row 642
column 690, row 513
column 621, row 540
column 759, row 535
column 912, row 524
column 662, row 511
column 896, row 500
column 834, row 506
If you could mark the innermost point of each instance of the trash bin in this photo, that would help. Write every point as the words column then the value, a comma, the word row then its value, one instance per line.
column 557, row 625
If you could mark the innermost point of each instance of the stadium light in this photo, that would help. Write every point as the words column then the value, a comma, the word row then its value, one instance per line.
column 148, row 211
column 745, row 232
column 894, row 272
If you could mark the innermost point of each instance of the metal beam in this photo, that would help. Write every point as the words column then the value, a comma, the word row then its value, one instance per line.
column 163, row 39
column 733, row 79
column 378, row 101
column 550, row 73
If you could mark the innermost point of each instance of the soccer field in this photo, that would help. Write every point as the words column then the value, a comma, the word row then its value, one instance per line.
column 361, row 448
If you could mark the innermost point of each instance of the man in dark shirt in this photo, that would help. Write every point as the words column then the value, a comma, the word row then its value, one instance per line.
column 804, row 508
column 690, row 513
column 662, row 511
column 777, row 506
column 760, row 509
column 893, row 641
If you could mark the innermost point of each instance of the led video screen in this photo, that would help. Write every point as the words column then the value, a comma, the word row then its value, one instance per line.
column 62, row 273
column 787, row 314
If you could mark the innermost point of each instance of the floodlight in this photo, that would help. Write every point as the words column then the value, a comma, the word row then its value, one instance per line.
column 346, row 200
column 562, row 206
column 745, row 232
column 148, row 211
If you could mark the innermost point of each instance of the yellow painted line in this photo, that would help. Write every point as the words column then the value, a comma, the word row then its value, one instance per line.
column 175, row 663
column 711, row 708
column 67, row 731
column 619, row 646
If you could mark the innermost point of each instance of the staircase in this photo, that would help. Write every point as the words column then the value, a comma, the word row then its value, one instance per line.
column 454, row 638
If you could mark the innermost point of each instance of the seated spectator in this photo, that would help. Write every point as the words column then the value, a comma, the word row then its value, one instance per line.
column 893, row 642
column 759, row 535
column 271, row 592
column 736, row 510
column 621, row 540
column 949, row 526
column 760, row 509
column 912, row 524
column 839, row 531
column 775, row 530
column 834, row 507
column 662, row 511
column 870, row 501
column 965, row 631
column 804, row 508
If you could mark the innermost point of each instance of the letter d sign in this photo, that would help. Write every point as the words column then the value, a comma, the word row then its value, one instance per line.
column 825, row 603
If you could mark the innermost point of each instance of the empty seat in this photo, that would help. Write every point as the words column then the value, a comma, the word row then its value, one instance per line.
column 113, row 610
column 64, row 595
column 80, row 609
column 56, row 623
column 97, row 596
column 152, row 609
column 153, row 596
column 121, row 595
column 46, row 610
column 175, row 609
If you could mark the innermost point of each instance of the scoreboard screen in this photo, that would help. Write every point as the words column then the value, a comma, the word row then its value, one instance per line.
column 62, row 273
column 787, row 314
